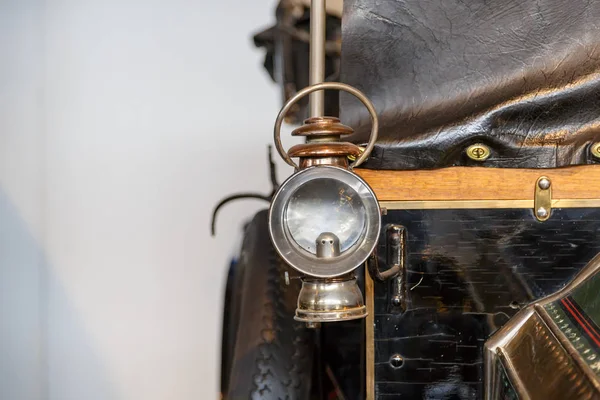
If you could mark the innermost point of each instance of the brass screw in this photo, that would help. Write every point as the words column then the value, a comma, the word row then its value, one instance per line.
column 352, row 157
column 478, row 152
column 596, row 149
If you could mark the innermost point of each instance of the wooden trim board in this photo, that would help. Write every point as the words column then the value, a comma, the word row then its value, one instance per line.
column 476, row 183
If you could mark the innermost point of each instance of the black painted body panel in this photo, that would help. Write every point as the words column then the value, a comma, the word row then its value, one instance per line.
column 468, row 272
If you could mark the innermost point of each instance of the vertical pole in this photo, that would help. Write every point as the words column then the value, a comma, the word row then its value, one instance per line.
column 318, row 17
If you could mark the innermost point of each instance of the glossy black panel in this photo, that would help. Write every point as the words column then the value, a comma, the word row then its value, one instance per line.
column 468, row 272
column 343, row 353
column 342, row 356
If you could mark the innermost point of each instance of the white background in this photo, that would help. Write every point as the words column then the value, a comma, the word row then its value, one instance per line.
column 122, row 123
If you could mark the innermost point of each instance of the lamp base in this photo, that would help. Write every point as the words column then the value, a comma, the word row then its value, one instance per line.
column 330, row 300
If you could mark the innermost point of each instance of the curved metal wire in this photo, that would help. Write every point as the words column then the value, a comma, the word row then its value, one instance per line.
column 230, row 199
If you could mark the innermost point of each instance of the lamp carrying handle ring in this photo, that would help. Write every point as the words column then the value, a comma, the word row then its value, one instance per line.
column 324, row 86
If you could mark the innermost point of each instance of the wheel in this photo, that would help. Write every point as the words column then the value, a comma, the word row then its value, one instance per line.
column 266, row 354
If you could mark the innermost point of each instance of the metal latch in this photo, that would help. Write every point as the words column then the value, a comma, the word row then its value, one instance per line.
column 542, row 204
column 395, row 259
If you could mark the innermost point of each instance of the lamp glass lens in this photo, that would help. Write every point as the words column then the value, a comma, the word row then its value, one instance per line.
column 325, row 205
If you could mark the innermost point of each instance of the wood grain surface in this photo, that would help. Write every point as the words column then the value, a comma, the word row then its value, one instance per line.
column 472, row 183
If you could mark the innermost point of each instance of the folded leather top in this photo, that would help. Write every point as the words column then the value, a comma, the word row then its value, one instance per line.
column 520, row 76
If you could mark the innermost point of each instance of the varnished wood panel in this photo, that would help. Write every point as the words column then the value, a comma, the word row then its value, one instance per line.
column 468, row 183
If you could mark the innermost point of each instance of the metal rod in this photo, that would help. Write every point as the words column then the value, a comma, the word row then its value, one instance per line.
column 318, row 17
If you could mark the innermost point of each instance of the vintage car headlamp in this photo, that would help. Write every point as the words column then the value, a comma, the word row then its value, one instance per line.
column 330, row 201
column 324, row 221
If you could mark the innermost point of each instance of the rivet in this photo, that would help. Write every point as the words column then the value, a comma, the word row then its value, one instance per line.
column 396, row 361
column 478, row 152
column 596, row 149
column 542, row 212
column 544, row 183
column 396, row 301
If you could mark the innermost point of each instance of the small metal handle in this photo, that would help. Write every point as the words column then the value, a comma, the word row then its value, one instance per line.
column 395, row 255
column 323, row 86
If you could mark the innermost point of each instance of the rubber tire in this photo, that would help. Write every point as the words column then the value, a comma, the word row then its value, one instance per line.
column 272, row 355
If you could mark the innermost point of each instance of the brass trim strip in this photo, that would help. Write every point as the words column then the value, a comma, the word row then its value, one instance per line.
column 471, row 204
column 370, row 335
column 575, row 203
column 514, row 378
column 567, row 346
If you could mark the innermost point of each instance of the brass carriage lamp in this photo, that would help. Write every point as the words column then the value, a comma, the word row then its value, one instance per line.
column 324, row 220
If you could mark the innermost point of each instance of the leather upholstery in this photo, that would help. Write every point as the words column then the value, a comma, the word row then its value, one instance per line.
column 521, row 76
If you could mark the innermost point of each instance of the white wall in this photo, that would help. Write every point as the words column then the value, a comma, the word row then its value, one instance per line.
column 21, row 228
column 122, row 123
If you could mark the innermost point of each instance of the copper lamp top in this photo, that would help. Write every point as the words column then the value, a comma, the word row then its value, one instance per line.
column 322, row 126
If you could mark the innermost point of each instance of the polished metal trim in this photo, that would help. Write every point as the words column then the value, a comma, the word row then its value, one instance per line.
column 514, row 378
column 490, row 351
column 575, row 203
column 330, row 300
column 370, row 336
column 568, row 346
column 542, row 207
column 330, row 316
column 473, row 204
column 318, row 18
column 308, row 263
column 514, row 328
